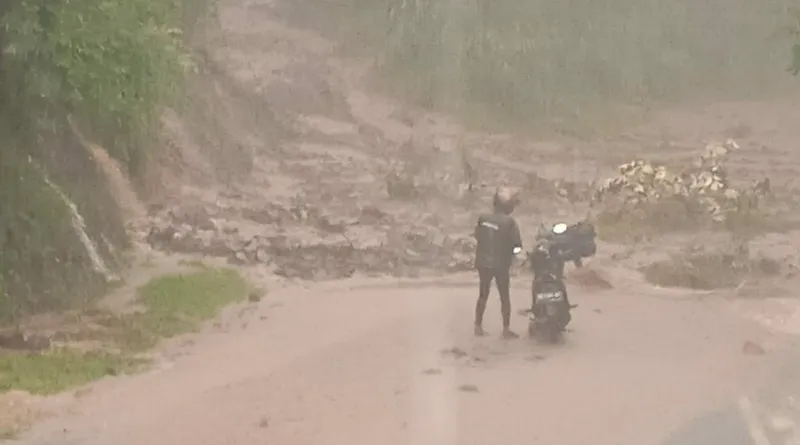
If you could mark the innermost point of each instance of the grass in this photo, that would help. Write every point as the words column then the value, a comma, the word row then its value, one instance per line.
column 8, row 433
column 38, row 260
column 177, row 304
column 173, row 305
column 52, row 372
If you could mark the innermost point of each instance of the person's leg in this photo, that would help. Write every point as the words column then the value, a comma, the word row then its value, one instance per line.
column 567, row 315
column 484, row 287
column 503, row 288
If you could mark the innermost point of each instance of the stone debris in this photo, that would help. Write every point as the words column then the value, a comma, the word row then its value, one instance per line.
column 299, row 240
column 705, row 184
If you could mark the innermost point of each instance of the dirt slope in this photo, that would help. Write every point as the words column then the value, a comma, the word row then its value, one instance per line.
column 343, row 181
column 397, row 366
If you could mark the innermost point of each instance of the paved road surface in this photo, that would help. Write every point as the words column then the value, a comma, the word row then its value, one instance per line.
column 391, row 366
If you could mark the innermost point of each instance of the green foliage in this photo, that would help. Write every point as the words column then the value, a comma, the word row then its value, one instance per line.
column 41, row 259
column 112, row 63
column 173, row 305
column 55, row 371
column 110, row 66
column 176, row 304
column 544, row 59
column 198, row 295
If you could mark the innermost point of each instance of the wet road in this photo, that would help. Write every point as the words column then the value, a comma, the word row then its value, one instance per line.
column 399, row 366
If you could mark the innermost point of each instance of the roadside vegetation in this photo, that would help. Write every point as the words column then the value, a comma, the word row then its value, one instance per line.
column 572, row 66
column 71, row 72
column 111, row 344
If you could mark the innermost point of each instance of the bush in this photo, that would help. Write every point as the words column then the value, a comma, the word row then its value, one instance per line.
column 111, row 63
column 41, row 259
column 68, row 68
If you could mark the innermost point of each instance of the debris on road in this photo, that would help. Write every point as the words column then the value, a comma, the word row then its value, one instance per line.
column 468, row 388
column 751, row 348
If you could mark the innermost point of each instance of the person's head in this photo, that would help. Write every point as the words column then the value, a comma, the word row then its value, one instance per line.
column 505, row 200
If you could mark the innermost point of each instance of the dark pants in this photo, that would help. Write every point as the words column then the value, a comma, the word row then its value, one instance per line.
column 501, row 277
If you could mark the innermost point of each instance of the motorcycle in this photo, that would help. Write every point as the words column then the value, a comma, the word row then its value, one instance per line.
column 550, row 311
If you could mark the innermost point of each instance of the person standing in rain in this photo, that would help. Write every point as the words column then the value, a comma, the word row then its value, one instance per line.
column 498, row 240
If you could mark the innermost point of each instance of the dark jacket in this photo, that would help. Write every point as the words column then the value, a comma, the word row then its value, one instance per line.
column 497, row 235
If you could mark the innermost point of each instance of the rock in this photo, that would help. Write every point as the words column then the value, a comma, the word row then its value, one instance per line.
column 193, row 215
column 217, row 247
column 251, row 246
column 186, row 243
column 185, row 229
column 705, row 185
column 373, row 215
column 22, row 341
column 468, row 388
column 454, row 352
column 206, row 236
column 255, row 295
column 781, row 425
column 160, row 236
column 326, row 224
column 279, row 243
column 303, row 247
column 261, row 255
column 230, row 230
column 238, row 257
column 750, row 348
column 266, row 215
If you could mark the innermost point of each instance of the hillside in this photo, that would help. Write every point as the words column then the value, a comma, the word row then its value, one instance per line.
column 296, row 147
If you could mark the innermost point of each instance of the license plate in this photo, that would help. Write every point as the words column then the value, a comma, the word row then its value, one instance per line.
column 550, row 296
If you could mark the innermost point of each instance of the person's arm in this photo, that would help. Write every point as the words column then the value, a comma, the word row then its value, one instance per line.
column 516, row 237
column 477, row 226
